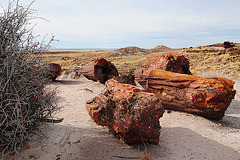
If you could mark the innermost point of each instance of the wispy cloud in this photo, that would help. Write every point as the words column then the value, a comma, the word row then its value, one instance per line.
column 144, row 23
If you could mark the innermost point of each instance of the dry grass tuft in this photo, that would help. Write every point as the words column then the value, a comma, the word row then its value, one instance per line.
column 209, row 63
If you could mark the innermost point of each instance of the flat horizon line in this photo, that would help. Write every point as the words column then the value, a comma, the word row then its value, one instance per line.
column 83, row 48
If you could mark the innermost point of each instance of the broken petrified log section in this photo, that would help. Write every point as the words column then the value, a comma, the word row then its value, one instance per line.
column 208, row 97
column 54, row 70
column 131, row 112
column 51, row 71
column 169, row 61
column 100, row 70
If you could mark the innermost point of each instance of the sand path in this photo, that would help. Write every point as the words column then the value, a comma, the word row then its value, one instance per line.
column 183, row 136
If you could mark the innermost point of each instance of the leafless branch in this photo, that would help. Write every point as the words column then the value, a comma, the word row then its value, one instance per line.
column 24, row 99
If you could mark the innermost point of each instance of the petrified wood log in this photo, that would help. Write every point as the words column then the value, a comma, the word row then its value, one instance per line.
column 208, row 97
column 54, row 71
column 131, row 112
column 100, row 70
column 169, row 61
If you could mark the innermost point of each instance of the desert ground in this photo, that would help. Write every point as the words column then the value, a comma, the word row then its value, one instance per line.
column 183, row 136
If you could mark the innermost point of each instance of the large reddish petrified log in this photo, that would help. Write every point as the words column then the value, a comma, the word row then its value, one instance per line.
column 169, row 61
column 54, row 71
column 100, row 70
column 131, row 112
column 205, row 96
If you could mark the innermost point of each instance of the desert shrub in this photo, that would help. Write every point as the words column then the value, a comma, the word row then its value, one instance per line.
column 24, row 99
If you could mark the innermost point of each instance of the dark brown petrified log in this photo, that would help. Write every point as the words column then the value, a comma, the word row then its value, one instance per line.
column 131, row 112
column 205, row 96
column 100, row 70
column 54, row 71
column 228, row 44
column 169, row 61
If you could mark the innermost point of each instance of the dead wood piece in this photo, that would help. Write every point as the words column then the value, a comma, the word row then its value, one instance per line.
column 169, row 61
column 205, row 96
column 100, row 70
column 131, row 112
column 52, row 120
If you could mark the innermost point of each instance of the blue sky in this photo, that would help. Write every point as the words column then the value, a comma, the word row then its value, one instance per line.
column 141, row 23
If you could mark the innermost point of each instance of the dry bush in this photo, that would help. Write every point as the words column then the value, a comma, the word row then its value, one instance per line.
column 24, row 100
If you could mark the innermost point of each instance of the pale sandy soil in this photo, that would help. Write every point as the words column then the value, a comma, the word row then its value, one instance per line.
column 183, row 136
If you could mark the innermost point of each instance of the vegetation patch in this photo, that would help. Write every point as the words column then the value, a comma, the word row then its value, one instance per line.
column 25, row 100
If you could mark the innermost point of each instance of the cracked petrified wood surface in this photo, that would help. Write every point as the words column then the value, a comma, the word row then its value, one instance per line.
column 100, row 70
column 169, row 61
column 205, row 96
column 131, row 112
column 126, row 79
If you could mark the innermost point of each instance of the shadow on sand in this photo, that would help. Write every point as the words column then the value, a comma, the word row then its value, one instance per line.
column 67, row 82
column 93, row 142
column 188, row 144
column 231, row 118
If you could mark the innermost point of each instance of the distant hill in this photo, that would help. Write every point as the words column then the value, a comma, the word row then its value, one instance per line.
column 131, row 51
column 140, row 51
column 160, row 48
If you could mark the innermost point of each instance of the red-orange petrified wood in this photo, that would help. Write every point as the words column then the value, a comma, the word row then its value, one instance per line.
column 169, row 61
column 54, row 71
column 131, row 112
column 205, row 96
column 100, row 70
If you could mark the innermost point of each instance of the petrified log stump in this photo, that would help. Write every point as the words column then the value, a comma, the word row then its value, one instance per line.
column 169, row 61
column 208, row 97
column 131, row 112
column 54, row 71
column 100, row 70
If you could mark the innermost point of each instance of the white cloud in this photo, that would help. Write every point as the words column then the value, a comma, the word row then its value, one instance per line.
column 105, row 20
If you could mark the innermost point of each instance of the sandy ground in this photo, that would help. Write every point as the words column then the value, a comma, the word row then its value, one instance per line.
column 183, row 136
